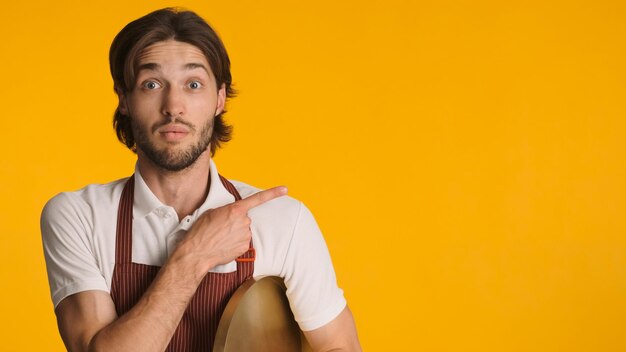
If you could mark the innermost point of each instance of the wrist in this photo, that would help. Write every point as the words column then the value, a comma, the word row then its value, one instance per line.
column 191, row 262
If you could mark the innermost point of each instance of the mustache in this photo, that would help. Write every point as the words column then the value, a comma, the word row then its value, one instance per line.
column 173, row 121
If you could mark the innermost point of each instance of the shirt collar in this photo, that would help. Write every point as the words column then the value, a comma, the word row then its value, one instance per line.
column 146, row 202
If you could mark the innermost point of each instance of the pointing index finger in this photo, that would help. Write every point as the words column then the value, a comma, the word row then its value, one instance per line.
column 263, row 196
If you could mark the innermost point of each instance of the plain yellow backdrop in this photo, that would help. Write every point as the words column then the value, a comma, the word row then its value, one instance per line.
column 464, row 159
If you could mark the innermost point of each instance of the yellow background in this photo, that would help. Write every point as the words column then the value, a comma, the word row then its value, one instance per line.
column 465, row 159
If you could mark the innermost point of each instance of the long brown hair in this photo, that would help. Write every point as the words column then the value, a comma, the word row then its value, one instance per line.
column 157, row 26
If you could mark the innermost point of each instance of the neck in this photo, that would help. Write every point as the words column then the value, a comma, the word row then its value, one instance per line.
column 183, row 190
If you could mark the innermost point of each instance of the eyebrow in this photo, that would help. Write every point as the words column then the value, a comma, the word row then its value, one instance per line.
column 151, row 66
column 194, row 65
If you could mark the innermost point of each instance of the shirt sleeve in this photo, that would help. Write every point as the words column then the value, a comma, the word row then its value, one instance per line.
column 314, row 296
column 66, row 230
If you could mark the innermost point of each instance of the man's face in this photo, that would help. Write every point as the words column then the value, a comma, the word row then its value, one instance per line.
column 173, row 104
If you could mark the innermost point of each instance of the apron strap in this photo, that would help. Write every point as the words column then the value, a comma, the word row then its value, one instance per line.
column 230, row 188
column 123, row 237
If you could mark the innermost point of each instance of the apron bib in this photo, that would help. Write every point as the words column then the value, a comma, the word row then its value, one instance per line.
column 197, row 328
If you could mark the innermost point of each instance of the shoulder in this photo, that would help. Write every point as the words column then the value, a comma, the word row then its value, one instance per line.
column 78, row 235
column 273, row 226
column 279, row 227
column 82, row 204
column 286, row 206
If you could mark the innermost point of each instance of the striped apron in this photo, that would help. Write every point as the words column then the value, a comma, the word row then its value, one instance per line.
column 196, row 330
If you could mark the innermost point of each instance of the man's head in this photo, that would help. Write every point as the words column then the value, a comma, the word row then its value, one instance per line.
column 142, row 36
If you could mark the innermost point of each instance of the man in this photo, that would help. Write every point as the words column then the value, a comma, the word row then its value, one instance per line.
column 148, row 263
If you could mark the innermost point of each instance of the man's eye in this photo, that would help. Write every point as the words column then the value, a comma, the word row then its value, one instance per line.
column 195, row 85
column 151, row 85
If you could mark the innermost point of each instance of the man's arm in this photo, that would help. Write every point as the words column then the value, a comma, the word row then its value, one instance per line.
column 81, row 315
column 318, row 304
column 88, row 321
column 338, row 335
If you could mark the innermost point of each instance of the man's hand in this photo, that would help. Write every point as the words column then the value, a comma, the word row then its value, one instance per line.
column 222, row 234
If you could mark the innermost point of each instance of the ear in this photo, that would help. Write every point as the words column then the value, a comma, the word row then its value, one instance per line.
column 221, row 99
column 122, row 106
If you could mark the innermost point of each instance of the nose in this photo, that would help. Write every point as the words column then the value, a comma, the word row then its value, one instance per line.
column 173, row 102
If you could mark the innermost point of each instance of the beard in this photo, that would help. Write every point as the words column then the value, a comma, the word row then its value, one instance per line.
column 172, row 160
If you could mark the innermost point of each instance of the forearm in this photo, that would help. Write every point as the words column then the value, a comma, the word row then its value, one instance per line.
column 150, row 324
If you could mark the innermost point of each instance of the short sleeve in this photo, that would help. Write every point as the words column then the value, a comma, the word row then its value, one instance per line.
column 67, row 235
column 314, row 296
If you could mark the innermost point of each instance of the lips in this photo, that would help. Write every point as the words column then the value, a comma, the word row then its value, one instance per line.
column 172, row 133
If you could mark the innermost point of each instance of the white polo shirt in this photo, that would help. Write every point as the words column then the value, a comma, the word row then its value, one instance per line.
column 78, row 230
